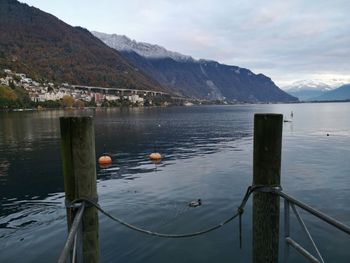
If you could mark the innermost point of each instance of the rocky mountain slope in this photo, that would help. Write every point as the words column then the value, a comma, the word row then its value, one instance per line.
column 203, row 79
column 44, row 47
column 123, row 43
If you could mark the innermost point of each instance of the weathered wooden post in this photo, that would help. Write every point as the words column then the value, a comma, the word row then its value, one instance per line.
column 79, row 171
column 266, row 171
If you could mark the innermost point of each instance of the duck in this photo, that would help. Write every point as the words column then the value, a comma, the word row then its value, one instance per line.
column 195, row 203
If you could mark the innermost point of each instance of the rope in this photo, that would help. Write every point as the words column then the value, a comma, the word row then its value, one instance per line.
column 239, row 212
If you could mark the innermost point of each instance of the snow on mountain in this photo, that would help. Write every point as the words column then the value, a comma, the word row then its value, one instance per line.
column 308, row 89
column 123, row 43
column 204, row 79
column 308, row 85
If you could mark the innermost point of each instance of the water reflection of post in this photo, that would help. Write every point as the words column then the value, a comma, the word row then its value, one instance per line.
column 79, row 170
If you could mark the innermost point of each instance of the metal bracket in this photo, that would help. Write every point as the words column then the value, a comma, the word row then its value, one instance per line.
column 267, row 189
column 75, row 204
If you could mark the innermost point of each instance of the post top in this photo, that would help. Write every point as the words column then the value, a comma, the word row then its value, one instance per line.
column 268, row 114
column 265, row 116
column 75, row 117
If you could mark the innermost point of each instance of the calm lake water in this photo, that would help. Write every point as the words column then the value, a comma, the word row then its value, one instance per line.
column 208, row 155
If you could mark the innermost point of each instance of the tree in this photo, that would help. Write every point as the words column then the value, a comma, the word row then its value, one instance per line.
column 16, row 78
column 2, row 73
column 91, row 103
column 23, row 97
column 79, row 104
column 12, row 98
column 67, row 101
column 12, row 84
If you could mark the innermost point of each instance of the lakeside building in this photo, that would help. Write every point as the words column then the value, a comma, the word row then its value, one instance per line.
column 41, row 92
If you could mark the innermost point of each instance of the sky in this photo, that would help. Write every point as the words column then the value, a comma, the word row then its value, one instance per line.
column 286, row 40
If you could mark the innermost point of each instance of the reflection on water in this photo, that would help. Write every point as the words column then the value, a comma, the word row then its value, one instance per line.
column 207, row 154
column 24, row 212
column 23, row 128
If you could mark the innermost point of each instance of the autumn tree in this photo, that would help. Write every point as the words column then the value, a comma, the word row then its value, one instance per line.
column 79, row 104
column 67, row 101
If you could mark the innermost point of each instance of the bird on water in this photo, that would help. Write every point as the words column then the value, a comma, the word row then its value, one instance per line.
column 195, row 203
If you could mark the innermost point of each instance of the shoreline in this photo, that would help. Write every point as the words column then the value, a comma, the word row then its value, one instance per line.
column 171, row 105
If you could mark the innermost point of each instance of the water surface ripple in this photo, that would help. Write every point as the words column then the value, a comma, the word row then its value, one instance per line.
column 207, row 154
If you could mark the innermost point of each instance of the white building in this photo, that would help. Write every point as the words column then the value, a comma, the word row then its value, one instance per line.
column 112, row 97
column 86, row 97
column 135, row 99
column 26, row 80
column 21, row 75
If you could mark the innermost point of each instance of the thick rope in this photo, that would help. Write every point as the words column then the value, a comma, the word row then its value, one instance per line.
column 238, row 212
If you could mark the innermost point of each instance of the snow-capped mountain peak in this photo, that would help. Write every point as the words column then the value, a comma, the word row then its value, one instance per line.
column 309, row 89
column 123, row 43
column 309, row 85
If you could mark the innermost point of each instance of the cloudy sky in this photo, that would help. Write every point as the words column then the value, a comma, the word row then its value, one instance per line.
column 285, row 40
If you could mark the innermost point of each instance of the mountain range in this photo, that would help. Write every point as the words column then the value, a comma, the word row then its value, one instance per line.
column 307, row 89
column 46, row 48
column 189, row 77
column 316, row 90
column 341, row 93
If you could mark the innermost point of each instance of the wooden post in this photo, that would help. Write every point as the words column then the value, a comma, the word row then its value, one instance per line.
column 266, row 171
column 79, row 171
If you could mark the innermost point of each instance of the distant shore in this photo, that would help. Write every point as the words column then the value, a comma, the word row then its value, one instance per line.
column 159, row 106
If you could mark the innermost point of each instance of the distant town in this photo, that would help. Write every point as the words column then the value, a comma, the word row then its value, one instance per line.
column 52, row 95
column 20, row 92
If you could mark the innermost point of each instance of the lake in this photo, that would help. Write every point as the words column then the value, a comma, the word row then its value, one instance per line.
column 207, row 154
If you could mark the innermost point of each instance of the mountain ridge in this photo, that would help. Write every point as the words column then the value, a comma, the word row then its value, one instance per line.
column 205, row 79
column 124, row 43
column 44, row 47
column 341, row 93
column 307, row 90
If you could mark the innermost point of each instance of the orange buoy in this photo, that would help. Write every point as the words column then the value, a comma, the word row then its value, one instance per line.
column 105, row 160
column 155, row 156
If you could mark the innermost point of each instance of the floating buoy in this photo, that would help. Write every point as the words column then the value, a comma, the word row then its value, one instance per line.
column 104, row 160
column 155, row 156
